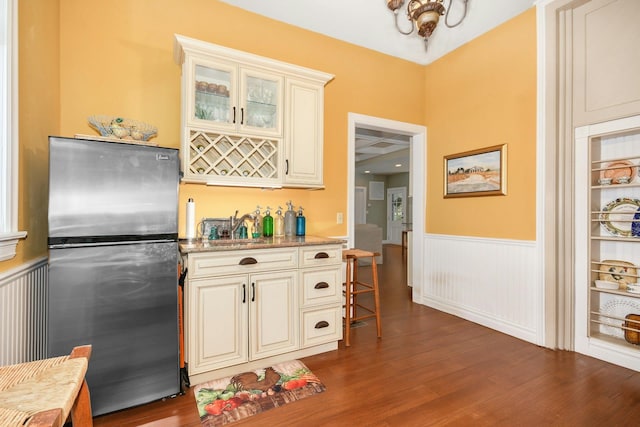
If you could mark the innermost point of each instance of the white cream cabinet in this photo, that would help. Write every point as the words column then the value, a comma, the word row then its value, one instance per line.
column 245, row 308
column 248, row 120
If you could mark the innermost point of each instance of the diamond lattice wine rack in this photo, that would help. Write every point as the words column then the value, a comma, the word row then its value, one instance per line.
column 233, row 159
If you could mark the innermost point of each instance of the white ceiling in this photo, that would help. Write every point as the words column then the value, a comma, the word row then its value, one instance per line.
column 370, row 24
column 381, row 153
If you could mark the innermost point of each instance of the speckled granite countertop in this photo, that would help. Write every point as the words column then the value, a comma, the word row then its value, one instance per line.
column 187, row 247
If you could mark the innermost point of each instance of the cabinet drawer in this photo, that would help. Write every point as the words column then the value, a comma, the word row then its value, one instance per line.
column 321, row 286
column 241, row 261
column 321, row 325
column 312, row 256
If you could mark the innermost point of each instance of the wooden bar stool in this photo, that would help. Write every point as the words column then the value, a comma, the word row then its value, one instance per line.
column 355, row 287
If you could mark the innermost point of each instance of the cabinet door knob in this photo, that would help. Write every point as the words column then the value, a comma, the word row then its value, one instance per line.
column 248, row 261
column 322, row 324
column 286, row 168
column 234, row 114
column 321, row 285
column 242, row 116
column 321, row 255
column 253, row 291
column 244, row 293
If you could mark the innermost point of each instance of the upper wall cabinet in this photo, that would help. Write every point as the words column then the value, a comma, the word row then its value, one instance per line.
column 248, row 120
column 606, row 61
column 223, row 96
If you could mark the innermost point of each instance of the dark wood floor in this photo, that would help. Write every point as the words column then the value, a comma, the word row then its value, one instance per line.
column 431, row 368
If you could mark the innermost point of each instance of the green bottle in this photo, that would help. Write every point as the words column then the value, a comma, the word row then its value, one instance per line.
column 267, row 223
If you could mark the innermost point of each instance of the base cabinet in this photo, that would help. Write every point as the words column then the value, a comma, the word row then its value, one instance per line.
column 218, row 322
column 284, row 303
column 242, row 318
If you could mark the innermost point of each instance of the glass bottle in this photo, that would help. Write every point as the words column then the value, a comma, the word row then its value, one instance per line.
column 257, row 224
column 289, row 220
column 267, row 223
column 300, row 223
column 278, row 223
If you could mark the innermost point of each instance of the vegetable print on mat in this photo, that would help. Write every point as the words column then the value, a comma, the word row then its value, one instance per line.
column 234, row 398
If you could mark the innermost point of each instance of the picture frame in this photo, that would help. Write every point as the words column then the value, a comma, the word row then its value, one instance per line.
column 481, row 172
column 376, row 190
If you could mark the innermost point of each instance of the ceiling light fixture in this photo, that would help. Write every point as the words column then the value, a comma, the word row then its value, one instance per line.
column 424, row 16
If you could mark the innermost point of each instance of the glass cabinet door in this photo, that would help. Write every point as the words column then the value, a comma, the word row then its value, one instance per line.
column 261, row 102
column 214, row 94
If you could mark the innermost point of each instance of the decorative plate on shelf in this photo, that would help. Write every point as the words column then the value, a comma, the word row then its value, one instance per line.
column 618, row 216
column 619, row 168
column 614, row 312
column 622, row 272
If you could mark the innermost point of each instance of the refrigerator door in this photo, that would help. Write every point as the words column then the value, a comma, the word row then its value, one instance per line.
column 109, row 189
column 123, row 301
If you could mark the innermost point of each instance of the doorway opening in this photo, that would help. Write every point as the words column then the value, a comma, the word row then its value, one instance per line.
column 416, row 137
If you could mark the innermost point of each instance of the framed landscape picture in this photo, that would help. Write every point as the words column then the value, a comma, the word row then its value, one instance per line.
column 481, row 172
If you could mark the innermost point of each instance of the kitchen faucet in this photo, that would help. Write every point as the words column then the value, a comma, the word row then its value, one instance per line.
column 236, row 222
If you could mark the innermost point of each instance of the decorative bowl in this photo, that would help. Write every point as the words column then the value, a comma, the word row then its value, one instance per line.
column 605, row 284
column 632, row 328
column 634, row 288
column 604, row 181
column 121, row 128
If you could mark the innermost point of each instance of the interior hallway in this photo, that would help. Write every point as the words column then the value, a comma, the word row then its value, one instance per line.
column 431, row 368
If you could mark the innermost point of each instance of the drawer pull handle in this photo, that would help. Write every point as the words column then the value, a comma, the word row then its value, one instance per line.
column 321, row 285
column 321, row 255
column 322, row 324
column 248, row 261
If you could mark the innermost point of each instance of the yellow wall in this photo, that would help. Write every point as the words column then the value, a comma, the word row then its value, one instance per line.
column 480, row 95
column 84, row 57
column 117, row 58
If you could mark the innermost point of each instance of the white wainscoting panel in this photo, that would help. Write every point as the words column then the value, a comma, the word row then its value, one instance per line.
column 23, row 313
column 492, row 282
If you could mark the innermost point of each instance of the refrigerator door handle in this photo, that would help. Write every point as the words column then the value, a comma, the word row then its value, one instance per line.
column 108, row 243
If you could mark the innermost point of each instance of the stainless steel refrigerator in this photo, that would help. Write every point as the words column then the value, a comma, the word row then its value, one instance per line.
column 113, row 267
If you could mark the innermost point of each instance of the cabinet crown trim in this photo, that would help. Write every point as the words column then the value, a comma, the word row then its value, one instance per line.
column 183, row 44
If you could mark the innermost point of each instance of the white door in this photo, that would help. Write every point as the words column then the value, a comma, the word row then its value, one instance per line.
column 360, row 214
column 396, row 206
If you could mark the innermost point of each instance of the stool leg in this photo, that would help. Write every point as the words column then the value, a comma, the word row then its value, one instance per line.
column 347, row 311
column 376, row 294
column 355, row 288
column 81, row 410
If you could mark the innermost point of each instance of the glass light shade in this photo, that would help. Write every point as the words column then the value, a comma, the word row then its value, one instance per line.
column 425, row 14
column 426, row 22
